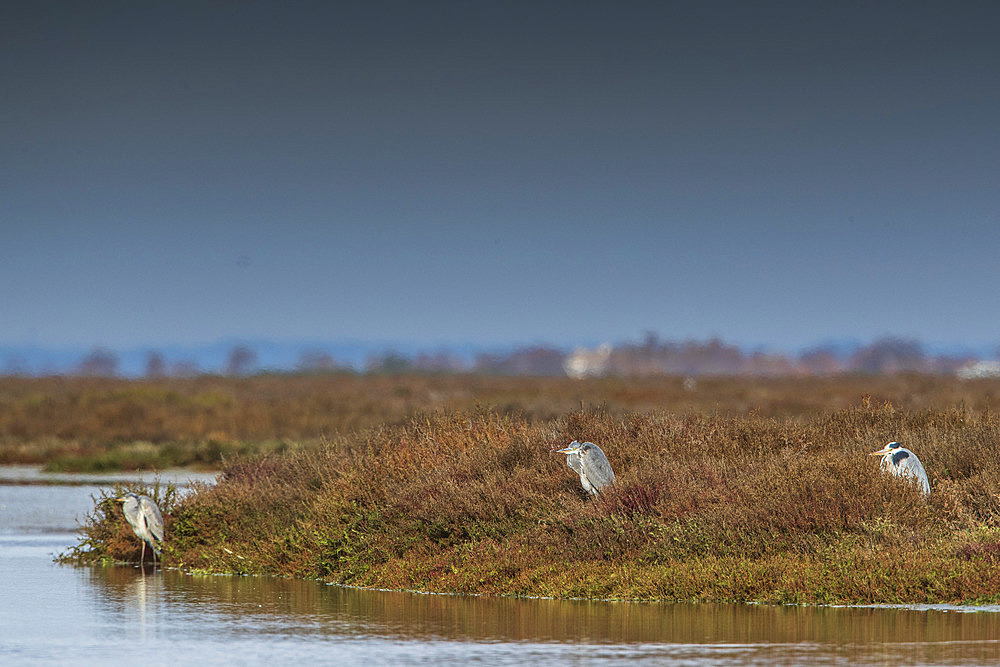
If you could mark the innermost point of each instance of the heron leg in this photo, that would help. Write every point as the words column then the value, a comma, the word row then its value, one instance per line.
column 143, row 556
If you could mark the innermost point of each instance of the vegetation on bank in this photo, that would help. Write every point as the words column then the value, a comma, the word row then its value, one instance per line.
column 705, row 507
column 98, row 424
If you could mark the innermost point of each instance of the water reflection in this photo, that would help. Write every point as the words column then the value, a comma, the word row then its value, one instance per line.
column 274, row 606
column 135, row 602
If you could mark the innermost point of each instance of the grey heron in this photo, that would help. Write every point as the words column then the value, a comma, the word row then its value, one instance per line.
column 146, row 521
column 901, row 462
column 588, row 461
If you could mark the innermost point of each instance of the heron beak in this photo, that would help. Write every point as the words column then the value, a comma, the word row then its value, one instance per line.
column 119, row 500
column 882, row 452
column 573, row 447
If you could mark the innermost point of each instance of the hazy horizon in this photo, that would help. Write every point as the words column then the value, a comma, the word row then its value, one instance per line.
column 282, row 356
column 773, row 174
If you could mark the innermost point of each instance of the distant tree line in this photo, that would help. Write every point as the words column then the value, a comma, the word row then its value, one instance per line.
column 687, row 358
column 651, row 356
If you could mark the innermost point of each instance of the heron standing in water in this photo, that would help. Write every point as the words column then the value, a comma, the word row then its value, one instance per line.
column 146, row 521
column 588, row 461
column 901, row 462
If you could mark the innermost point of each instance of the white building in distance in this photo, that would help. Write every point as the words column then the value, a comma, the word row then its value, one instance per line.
column 979, row 369
column 587, row 363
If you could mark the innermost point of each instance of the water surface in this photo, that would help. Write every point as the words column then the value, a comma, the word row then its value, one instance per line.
column 58, row 614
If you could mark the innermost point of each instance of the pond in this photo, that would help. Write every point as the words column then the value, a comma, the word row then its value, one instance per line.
column 56, row 614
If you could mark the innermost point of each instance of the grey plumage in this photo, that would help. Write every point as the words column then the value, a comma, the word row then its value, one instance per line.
column 902, row 462
column 146, row 521
column 589, row 461
column 574, row 462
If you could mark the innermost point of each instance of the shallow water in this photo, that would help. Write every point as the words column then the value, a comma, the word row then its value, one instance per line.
column 24, row 474
column 57, row 614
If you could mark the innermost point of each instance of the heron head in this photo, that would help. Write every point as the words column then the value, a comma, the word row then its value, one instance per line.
column 888, row 449
column 574, row 448
column 578, row 448
column 126, row 497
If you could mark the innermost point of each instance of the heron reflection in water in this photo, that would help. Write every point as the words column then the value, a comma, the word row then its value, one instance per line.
column 901, row 462
column 146, row 521
column 588, row 461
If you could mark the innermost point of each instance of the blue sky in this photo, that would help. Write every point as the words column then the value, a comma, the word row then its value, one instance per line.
column 774, row 173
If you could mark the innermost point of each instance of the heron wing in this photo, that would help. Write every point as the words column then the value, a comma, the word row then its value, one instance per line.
column 154, row 520
column 912, row 467
column 597, row 468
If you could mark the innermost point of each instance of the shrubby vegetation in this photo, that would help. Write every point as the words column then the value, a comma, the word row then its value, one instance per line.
column 86, row 424
column 707, row 506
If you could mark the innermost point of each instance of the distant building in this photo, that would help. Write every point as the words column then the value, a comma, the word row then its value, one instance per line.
column 979, row 369
column 587, row 363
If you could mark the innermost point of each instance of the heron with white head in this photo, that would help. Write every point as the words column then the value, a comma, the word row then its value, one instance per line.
column 902, row 462
column 146, row 521
column 589, row 461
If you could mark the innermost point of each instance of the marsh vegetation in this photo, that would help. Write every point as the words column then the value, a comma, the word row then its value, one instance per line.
column 735, row 497
column 99, row 424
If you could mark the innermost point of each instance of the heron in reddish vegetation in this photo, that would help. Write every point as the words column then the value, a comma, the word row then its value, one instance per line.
column 901, row 462
column 146, row 521
column 589, row 461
